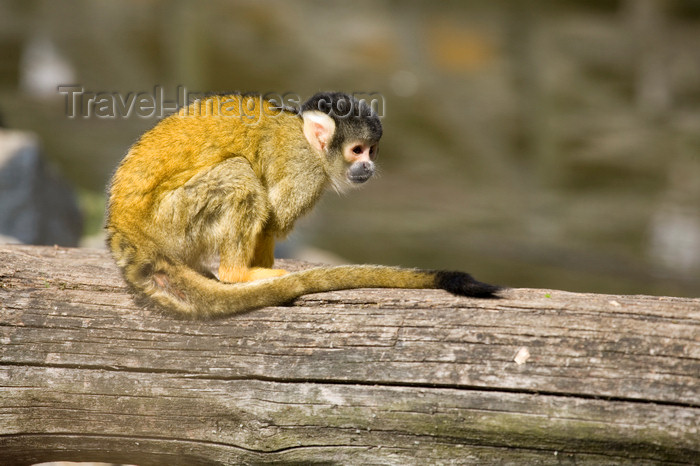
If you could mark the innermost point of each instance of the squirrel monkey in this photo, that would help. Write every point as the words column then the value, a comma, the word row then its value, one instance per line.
column 197, row 203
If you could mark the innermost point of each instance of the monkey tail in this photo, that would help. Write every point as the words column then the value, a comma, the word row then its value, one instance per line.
column 179, row 288
column 183, row 290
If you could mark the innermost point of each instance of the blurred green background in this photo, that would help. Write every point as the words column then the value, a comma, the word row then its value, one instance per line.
column 551, row 144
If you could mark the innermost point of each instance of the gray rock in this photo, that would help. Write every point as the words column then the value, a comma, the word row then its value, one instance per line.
column 36, row 205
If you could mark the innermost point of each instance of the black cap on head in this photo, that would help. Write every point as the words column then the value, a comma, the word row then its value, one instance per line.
column 354, row 119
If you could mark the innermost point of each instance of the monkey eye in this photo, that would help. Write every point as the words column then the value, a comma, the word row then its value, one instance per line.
column 357, row 149
column 372, row 152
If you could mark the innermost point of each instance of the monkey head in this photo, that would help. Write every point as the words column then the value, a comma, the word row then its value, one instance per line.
column 347, row 132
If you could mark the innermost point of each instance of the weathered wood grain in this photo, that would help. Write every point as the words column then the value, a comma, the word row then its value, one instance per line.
column 352, row 377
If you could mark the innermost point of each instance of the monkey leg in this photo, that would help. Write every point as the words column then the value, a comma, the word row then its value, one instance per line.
column 215, row 219
column 219, row 216
column 230, row 219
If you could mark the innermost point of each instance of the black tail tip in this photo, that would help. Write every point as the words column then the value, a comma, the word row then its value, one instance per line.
column 463, row 284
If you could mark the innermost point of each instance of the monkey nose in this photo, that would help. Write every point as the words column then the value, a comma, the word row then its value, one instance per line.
column 359, row 172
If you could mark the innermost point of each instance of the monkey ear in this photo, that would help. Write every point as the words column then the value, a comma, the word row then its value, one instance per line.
column 318, row 129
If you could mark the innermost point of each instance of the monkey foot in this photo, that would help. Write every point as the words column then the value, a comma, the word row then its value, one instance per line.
column 239, row 275
column 258, row 273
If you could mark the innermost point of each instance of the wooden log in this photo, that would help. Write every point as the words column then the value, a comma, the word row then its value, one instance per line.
column 352, row 377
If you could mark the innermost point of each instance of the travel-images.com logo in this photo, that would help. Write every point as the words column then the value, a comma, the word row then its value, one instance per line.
column 82, row 104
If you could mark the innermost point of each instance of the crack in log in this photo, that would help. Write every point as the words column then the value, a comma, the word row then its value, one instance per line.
column 359, row 382
column 459, row 442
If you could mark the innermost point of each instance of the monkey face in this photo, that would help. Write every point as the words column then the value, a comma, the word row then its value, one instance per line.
column 360, row 156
